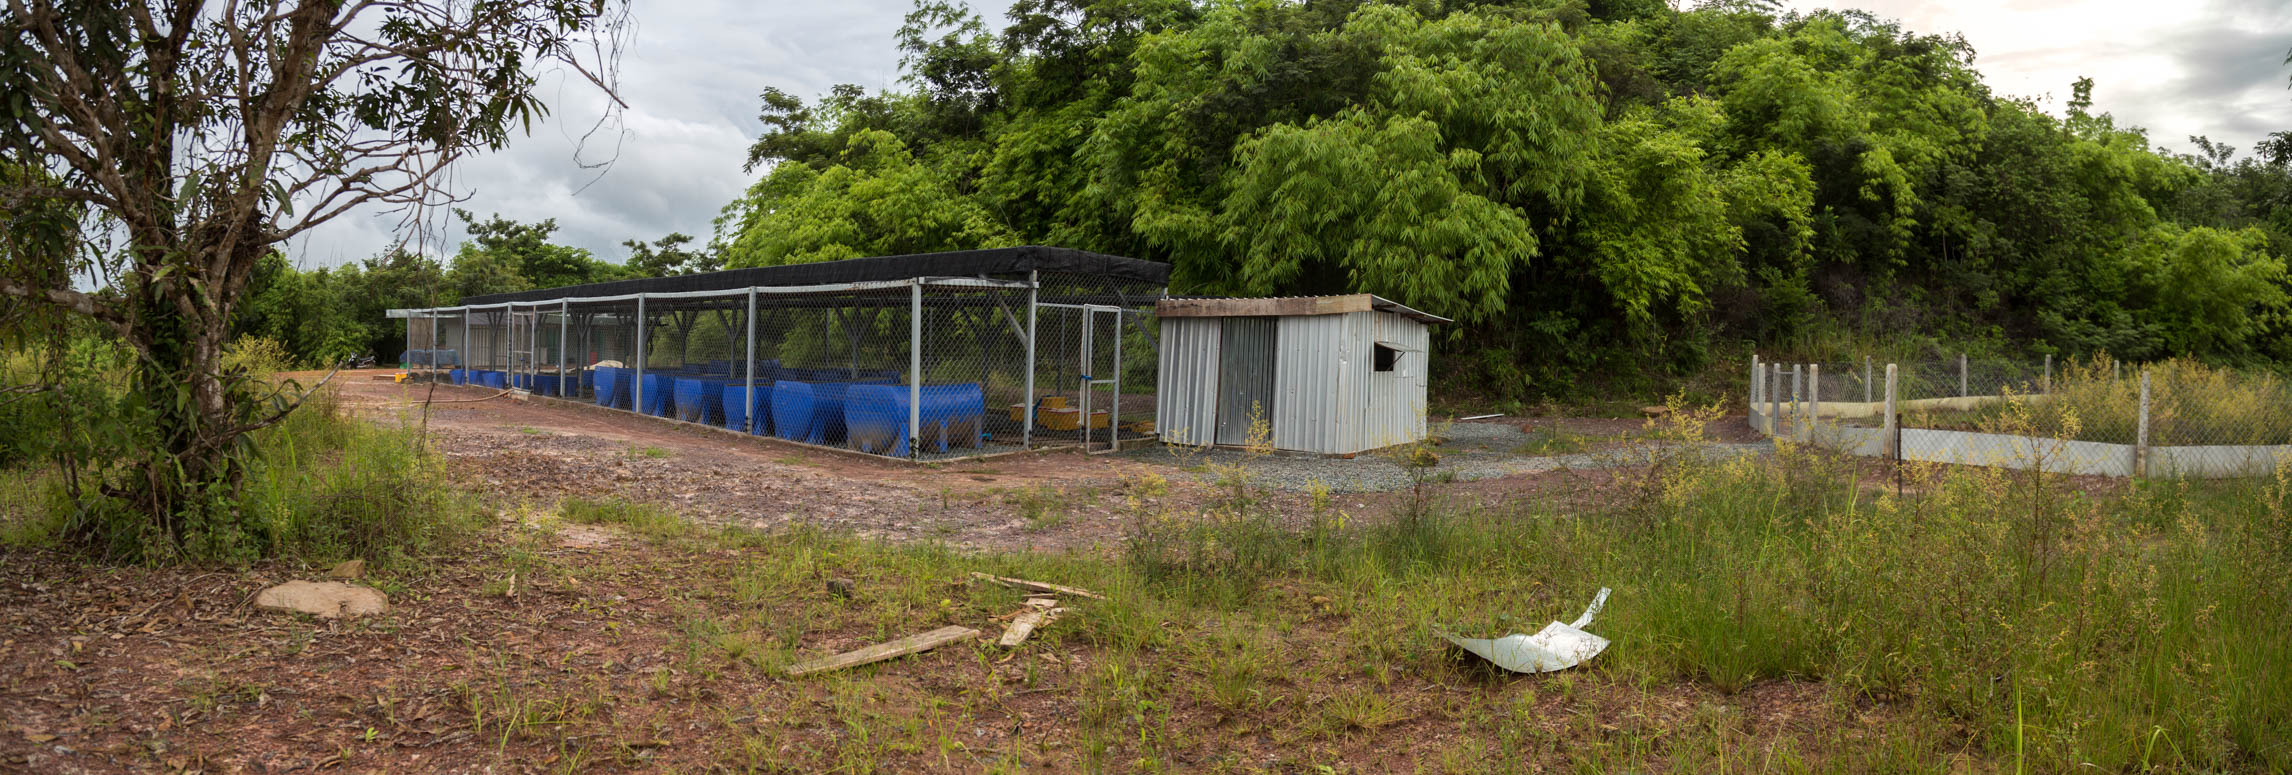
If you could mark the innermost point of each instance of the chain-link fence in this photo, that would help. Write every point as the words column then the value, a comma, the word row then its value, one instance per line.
column 924, row 368
column 2099, row 416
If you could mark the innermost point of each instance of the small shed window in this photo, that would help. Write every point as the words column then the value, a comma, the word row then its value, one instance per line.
column 1388, row 357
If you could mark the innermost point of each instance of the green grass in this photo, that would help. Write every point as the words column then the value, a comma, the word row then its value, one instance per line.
column 2143, row 630
column 644, row 519
column 2190, row 404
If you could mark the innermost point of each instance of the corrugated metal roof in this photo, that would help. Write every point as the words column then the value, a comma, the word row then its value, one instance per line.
column 1292, row 306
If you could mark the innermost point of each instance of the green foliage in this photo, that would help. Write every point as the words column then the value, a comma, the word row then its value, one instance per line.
column 319, row 485
column 1588, row 187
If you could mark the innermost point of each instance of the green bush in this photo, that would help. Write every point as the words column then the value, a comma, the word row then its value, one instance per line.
column 320, row 484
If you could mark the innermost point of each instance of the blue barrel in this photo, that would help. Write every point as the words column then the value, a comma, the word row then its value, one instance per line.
column 737, row 412
column 493, row 379
column 458, row 377
column 612, row 386
column 810, row 412
column 546, row 384
column 691, row 398
column 875, row 417
column 659, row 395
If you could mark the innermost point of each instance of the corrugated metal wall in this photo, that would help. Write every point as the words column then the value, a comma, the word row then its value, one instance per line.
column 1319, row 381
column 1396, row 410
column 1186, row 402
column 1246, row 372
column 1328, row 397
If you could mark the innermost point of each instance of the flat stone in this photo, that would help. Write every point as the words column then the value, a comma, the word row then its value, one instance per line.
column 349, row 569
column 324, row 599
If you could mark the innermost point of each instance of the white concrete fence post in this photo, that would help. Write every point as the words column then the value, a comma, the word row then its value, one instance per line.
column 1814, row 402
column 2141, row 433
column 1890, row 432
column 1963, row 389
column 1798, row 394
column 1774, row 399
column 1759, row 381
column 2047, row 385
column 1866, row 386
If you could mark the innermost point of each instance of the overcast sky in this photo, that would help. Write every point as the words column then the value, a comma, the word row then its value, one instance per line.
column 693, row 71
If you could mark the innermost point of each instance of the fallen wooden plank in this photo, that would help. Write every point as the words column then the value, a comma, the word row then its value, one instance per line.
column 904, row 646
column 1037, row 585
column 1025, row 625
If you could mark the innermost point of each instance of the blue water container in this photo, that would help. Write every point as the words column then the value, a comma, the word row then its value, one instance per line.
column 546, row 384
column 691, row 400
column 610, row 385
column 458, row 377
column 737, row 412
column 810, row 412
column 875, row 417
column 659, row 395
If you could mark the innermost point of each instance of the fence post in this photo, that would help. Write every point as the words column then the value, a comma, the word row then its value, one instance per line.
column 915, row 370
column 564, row 329
column 637, row 398
column 1775, row 400
column 1814, row 402
column 1756, row 385
column 1963, row 390
column 1027, row 410
column 1890, row 432
column 1798, row 392
column 2047, row 387
column 2141, row 433
column 1866, row 386
column 750, row 394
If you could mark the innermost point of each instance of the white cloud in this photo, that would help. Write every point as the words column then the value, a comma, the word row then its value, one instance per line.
column 2212, row 67
column 691, row 77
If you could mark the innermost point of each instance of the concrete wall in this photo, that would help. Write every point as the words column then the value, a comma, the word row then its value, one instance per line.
column 2022, row 453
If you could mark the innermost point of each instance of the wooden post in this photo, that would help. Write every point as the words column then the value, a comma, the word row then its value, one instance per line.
column 1963, row 390
column 2141, row 433
column 1890, row 433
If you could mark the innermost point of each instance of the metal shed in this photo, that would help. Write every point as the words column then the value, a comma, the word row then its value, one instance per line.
column 1333, row 375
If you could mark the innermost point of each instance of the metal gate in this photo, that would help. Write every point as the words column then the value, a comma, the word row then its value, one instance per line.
column 1245, row 378
column 1101, row 389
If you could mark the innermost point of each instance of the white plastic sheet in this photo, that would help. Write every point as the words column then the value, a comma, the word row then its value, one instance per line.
column 1556, row 647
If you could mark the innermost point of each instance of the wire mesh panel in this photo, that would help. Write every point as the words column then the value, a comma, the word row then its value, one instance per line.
column 2097, row 416
column 2214, row 422
column 922, row 368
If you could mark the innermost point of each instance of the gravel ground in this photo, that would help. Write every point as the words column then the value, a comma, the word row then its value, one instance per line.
column 1470, row 451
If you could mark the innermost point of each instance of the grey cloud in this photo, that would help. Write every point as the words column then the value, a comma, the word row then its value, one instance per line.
column 691, row 77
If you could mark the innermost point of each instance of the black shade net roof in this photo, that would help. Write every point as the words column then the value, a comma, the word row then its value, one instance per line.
column 995, row 263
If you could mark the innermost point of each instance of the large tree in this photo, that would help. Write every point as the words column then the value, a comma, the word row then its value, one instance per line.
column 199, row 135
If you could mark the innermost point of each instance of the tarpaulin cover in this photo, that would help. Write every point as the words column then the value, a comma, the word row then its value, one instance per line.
column 1001, row 263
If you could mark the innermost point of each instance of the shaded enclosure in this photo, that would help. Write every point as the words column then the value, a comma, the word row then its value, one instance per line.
column 932, row 356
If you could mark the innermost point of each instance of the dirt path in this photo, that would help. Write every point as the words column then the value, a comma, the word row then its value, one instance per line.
column 542, row 451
